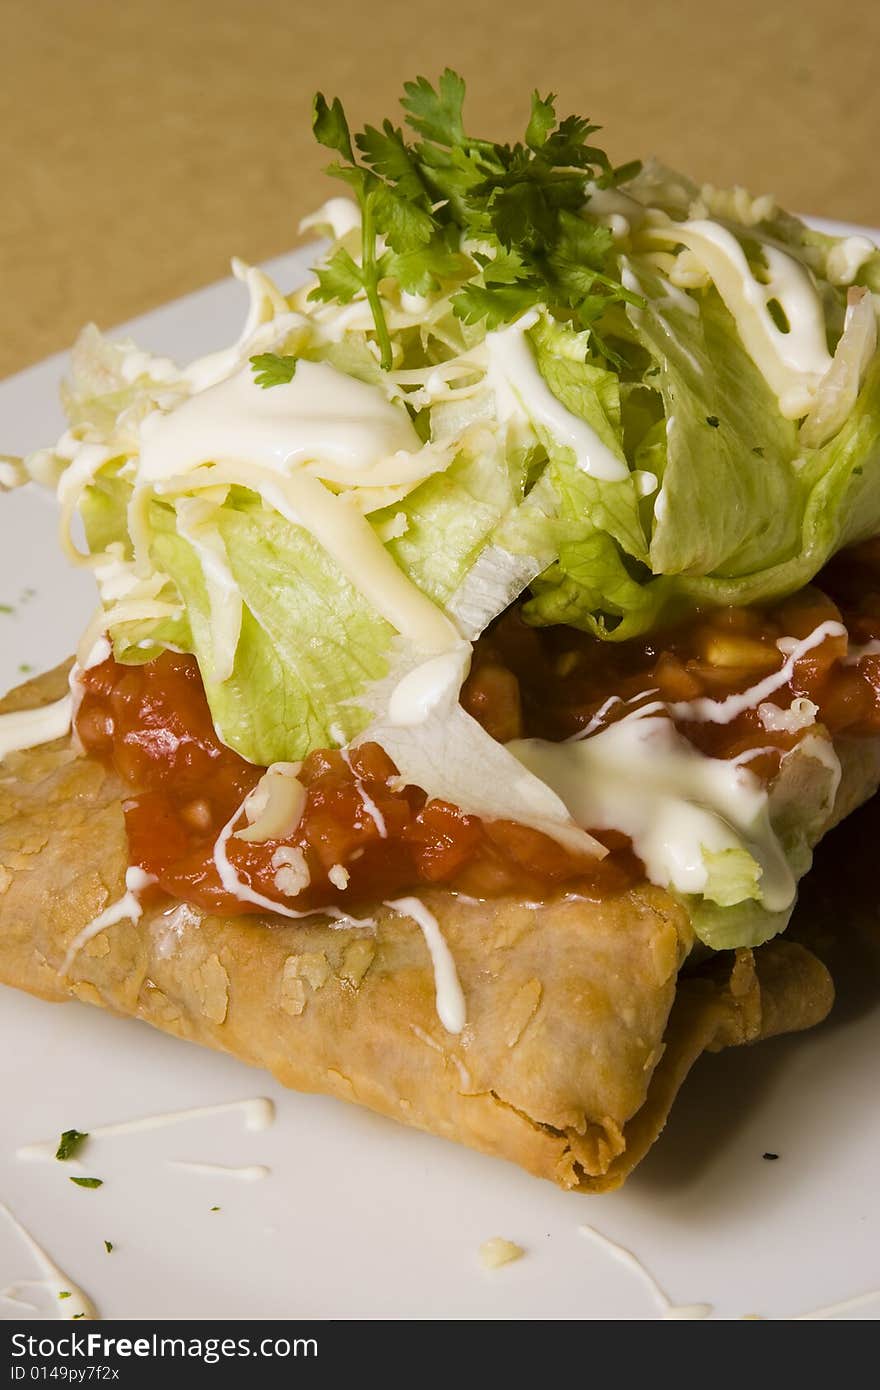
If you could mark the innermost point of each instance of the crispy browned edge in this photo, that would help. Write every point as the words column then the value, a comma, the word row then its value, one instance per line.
column 581, row 1031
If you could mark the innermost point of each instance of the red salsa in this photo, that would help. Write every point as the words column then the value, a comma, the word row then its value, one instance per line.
column 152, row 724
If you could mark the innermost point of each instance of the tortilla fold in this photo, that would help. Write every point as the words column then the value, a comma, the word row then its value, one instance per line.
column 580, row 1024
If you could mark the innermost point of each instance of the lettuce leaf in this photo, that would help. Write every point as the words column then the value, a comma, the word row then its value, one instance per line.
column 310, row 642
column 450, row 518
column 840, row 492
column 733, row 876
column 722, row 507
column 744, row 511
column 802, row 804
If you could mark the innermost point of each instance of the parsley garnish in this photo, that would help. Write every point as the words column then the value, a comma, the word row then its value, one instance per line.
column 70, row 1143
column 520, row 204
column 215, row 1208
column 88, row 1182
column 272, row 369
column 108, row 1246
column 78, row 1315
column 65, row 1293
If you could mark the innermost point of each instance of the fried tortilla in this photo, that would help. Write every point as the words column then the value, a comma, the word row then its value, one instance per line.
column 584, row 1016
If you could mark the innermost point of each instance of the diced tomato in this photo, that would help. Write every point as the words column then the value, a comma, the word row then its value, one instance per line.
column 363, row 835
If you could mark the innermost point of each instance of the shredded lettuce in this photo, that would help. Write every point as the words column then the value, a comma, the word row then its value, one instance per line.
column 802, row 804
column 733, row 876
column 709, row 493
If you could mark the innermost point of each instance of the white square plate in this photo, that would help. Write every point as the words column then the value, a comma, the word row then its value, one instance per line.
column 358, row 1217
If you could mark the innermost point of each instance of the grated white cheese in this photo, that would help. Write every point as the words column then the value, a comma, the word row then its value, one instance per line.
column 292, row 872
column 497, row 1251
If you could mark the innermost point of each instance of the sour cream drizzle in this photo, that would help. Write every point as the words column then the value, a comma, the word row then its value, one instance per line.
column 75, row 1305
column 707, row 710
column 677, row 1312
column 321, row 415
column 340, row 215
column 244, row 893
column 521, row 393
column 846, row 258
column 642, row 777
column 451, row 1007
column 128, row 906
column 27, row 728
column 833, row 1310
column 257, row 1112
column 369, row 804
column 855, row 654
column 285, row 442
column 792, row 362
column 253, row 1172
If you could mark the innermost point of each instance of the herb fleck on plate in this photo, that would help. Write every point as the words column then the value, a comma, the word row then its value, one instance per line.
column 70, row 1143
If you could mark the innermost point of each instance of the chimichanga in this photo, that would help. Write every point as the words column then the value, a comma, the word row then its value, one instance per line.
column 471, row 707
column 581, row 1024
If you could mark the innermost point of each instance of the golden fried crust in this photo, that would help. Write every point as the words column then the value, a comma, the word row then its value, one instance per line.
column 569, row 1060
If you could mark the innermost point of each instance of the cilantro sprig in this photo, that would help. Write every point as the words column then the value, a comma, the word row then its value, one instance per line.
column 500, row 224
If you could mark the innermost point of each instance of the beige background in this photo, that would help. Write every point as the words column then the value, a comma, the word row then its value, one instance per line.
column 142, row 143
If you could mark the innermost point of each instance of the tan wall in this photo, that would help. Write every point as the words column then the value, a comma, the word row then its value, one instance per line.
column 144, row 141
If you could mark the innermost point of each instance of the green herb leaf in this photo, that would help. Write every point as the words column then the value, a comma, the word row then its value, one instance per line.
column 339, row 278
column 542, row 121
column 70, row 1143
column 405, row 226
column 64, row 1293
column 495, row 304
column 108, row 1246
column 436, row 114
column 88, row 1182
column 330, row 126
column 523, row 204
column 423, row 270
column 273, row 369
column 389, row 156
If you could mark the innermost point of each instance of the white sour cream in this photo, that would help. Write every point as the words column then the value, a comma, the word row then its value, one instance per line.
column 428, row 686
column 672, row 1312
column 27, row 728
column 367, row 801
column 70, row 1302
column 451, row 1007
column 257, row 1112
column 846, row 259
column 706, row 710
column 793, row 362
column 522, row 394
column 245, row 894
column 322, row 414
column 252, row 1172
column 338, row 215
column 128, row 906
column 643, row 778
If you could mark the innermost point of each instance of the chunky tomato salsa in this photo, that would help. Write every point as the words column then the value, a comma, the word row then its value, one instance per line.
column 363, row 836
